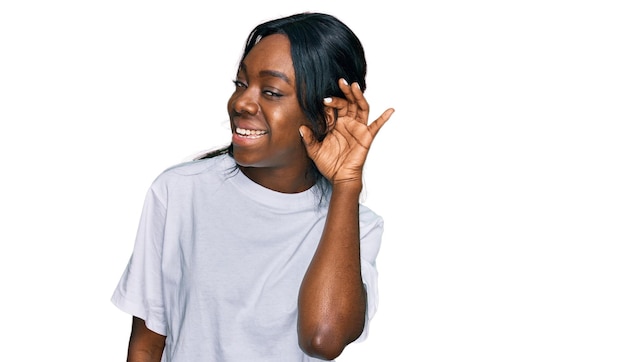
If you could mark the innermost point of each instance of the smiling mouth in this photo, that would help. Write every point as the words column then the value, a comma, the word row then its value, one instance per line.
column 250, row 133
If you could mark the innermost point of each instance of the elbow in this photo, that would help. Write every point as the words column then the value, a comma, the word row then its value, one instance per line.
column 322, row 347
column 323, row 343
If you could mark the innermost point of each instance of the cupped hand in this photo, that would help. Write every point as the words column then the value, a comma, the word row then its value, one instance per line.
column 340, row 156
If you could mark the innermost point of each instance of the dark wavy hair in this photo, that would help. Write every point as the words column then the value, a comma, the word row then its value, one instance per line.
column 323, row 50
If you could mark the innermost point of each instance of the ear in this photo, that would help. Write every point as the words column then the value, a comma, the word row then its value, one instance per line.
column 331, row 118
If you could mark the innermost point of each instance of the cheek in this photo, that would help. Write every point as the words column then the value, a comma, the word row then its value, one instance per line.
column 285, row 130
column 294, row 118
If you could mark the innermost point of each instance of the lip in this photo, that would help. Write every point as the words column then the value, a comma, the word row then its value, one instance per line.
column 246, row 124
column 247, row 140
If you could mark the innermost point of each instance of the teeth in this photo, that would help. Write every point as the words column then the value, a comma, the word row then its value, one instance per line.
column 249, row 132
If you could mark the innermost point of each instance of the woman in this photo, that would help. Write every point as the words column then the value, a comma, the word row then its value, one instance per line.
column 261, row 251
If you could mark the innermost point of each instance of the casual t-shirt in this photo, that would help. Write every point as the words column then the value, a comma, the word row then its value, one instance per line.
column 218, row 261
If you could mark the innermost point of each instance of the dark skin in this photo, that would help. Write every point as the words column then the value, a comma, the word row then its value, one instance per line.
column 274, row 147
column 265, row 101
column 332, row 301
column 144, row 345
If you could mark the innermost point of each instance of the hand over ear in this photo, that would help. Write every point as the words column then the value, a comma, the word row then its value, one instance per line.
column 341, row 155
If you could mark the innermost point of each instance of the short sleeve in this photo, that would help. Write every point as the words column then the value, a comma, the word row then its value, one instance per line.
column 139, row 291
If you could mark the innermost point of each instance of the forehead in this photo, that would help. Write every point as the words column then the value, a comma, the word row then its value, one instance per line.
column 271, row 54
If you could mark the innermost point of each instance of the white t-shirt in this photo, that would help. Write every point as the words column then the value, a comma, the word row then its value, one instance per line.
column 218, row 261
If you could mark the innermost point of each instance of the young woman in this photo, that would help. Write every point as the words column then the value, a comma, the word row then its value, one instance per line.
column 261, row 251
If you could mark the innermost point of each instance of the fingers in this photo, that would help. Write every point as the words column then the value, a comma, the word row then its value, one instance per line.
column 340, row 104
column 353, row 106
column 351, row 109
column 358, row 108
column 362, row 106
column 380, row 121
column 310, row 143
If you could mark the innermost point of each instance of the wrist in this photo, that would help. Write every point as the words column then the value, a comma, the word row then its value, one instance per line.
column 348, row 186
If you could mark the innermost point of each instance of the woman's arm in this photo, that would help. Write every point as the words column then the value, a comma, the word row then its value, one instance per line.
column 332, row 300
column 144, row 345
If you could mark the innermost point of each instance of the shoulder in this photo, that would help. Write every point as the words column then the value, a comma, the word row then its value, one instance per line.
column 208, row 170
column 198, row 167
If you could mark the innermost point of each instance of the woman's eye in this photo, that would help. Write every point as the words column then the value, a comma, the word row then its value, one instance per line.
column 239, row 84
column 272, row 94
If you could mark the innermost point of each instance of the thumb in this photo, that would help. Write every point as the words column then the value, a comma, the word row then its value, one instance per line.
column 310, row 143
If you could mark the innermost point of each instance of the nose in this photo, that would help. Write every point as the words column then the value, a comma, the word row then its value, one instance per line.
column 244, row 101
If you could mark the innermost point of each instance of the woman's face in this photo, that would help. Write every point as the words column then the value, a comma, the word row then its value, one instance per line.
column 264, row 111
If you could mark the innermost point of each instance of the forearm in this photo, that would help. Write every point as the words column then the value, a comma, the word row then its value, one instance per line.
column 332, row 299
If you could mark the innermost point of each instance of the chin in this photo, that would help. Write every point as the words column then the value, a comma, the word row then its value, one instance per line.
column 244, row 159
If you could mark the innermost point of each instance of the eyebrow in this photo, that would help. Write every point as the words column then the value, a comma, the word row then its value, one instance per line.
column 265, row 73
column 273, row 73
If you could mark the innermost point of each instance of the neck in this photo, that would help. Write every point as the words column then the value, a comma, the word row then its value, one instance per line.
column 281, row 180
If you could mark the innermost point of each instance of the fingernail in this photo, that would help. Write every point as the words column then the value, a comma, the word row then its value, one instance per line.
column 344, row 81
column 358, row 85
column 328, row 99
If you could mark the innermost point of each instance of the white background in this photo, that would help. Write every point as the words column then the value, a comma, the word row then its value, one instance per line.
column 500, row 176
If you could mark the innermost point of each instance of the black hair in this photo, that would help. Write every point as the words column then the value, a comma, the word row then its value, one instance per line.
column 323, row 50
